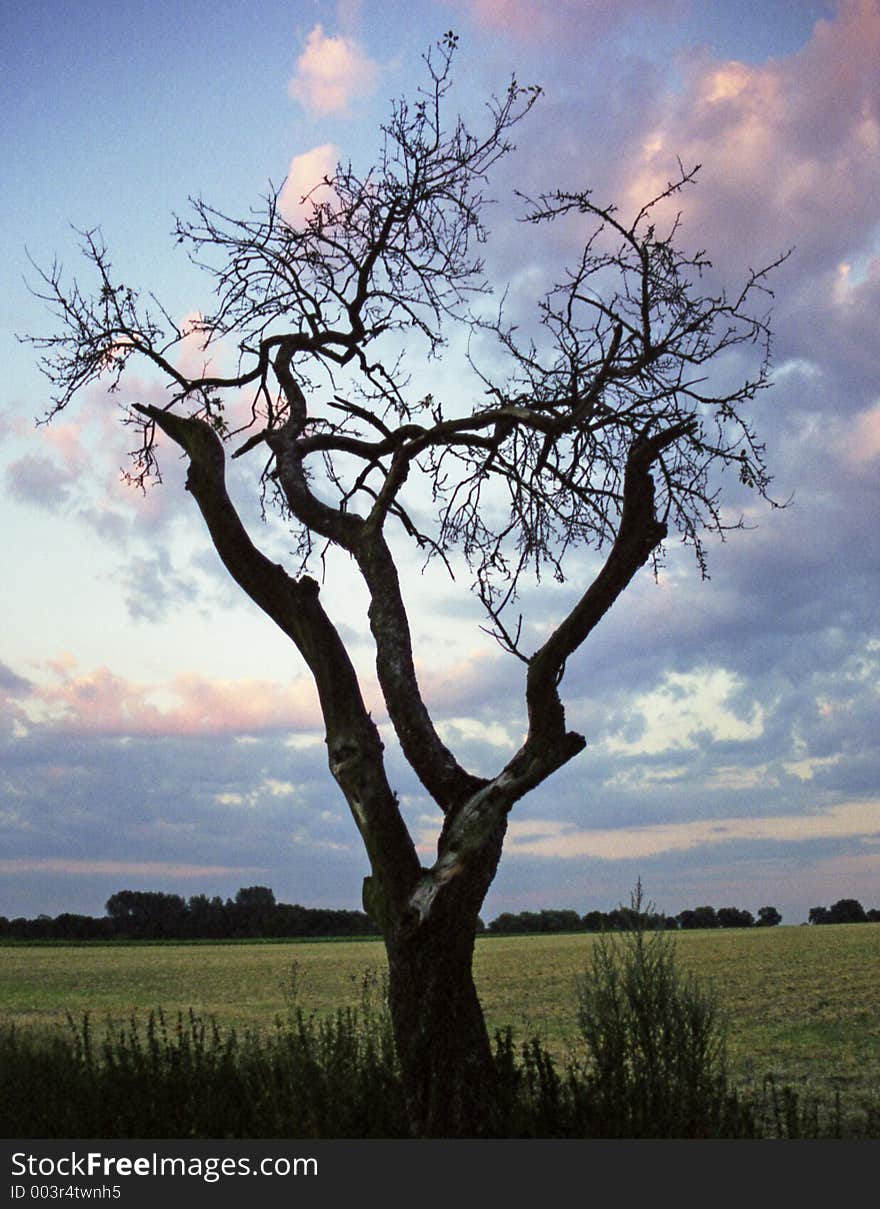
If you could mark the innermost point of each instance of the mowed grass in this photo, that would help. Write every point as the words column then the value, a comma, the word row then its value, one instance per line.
column 802, row 1004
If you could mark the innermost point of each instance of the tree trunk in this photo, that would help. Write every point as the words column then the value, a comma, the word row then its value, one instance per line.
column 444, row 1049
column 443, row 1045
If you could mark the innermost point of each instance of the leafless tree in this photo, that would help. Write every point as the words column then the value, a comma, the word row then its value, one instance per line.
column 602, row 429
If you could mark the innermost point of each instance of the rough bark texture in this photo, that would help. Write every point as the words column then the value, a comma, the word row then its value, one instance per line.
column 444, row 1048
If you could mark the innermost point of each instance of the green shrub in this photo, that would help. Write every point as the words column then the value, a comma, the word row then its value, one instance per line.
column 652, row 1062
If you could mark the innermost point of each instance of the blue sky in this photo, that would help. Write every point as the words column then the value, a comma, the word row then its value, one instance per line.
column 155, row 731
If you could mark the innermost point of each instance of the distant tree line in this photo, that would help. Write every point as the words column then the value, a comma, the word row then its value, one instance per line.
column 844, row 911
column 154, row 915
column 623, row 918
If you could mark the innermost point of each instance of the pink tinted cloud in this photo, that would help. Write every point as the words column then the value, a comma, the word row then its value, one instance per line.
column 859, row 444
column 790, row 148
column 192, row 356
column 102, row 704
column 106, row 500
column 66, row 439
column 88, row 868
column 59, row 462
column 556, row 20
column 330, row 74
column 465, row 687
column 303, row 187
column 42, row 478
column 199, row 353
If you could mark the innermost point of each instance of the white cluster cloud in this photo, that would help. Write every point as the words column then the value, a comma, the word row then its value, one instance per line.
column 303, row 187
column 330, row 74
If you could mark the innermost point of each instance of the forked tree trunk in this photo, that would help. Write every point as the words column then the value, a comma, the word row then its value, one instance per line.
column 442, row 1041
column 444, row 1049
column 427, row 916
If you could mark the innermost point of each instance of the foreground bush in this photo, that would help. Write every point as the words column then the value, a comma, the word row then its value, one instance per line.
column 310, row 1077
column 650, row 1063
column 654, row 1061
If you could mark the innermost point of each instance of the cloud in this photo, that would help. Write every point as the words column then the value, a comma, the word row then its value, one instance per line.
column 556, row 20
column 191, row 354
column 790, row 147
column 85, row 812
column 103, row 704
column 861, row 446
column 560, row 840
column 303, row 186
column 330, row 74
column 477, row 680
column 11, row 683
column 73, row 867
column 13, row 688
column 153, row 588
column 59, row 471
column 37, row 480
column 65, row 437
column 685, row 711
column 830, row 325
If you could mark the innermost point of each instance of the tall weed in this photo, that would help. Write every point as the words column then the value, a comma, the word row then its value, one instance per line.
column 652, row 1060
column 310, row 1076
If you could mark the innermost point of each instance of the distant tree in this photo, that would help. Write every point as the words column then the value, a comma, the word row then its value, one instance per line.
column 564, row 920
column 68, row 926
column 735, row 917
column 768, row 917
column 594, row 921
column 620, row 919
column 509, row 923
column 698, row 917
column 505, row 924
column 40, row 928
column 147, row 914
column 253, row 913
column 602, row 424
column 844, row 911
column 207, row 917
column 536, row 922
column 847, row 911
column 873, row 915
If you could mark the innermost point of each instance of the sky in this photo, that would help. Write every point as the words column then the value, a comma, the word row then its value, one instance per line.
column 158, row 733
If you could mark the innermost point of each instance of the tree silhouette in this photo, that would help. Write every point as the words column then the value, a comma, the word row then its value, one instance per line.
column 603, row 429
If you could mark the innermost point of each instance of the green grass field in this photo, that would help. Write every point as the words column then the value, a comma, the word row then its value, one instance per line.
column 801, row 1003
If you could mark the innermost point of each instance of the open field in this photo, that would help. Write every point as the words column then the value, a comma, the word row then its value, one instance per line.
column 801, row 1003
